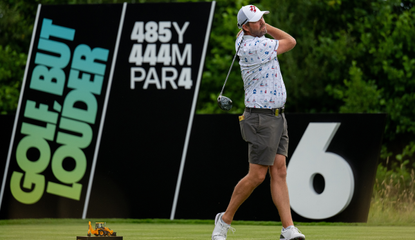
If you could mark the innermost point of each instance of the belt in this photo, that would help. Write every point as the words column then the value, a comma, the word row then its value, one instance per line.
column 273, row 111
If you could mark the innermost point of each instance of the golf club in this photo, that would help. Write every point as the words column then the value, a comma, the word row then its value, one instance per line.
column 225, row 103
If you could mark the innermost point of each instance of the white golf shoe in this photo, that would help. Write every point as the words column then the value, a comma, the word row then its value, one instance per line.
column 221, row 228
column 292, row 234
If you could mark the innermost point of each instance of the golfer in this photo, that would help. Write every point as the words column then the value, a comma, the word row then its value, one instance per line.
column 263, row 124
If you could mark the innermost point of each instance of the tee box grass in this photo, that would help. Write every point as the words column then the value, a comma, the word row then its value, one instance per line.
column 139, row 229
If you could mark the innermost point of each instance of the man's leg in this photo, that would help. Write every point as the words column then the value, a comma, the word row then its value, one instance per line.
column 279, row 190
column 244, row 188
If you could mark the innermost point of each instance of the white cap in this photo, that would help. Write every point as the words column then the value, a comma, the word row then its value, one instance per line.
column 249, row 13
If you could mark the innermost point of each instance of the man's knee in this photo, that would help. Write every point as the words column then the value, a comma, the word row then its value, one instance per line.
column 282, row 172
column 278, row 171
column 257, row 176
column 260, row 178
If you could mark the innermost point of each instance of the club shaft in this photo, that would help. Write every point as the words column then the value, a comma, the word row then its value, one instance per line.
column 230, row 69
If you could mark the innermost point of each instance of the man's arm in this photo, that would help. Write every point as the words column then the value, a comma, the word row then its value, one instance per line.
column 286, row 41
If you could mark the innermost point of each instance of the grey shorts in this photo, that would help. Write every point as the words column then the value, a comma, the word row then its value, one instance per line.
column 266, row 135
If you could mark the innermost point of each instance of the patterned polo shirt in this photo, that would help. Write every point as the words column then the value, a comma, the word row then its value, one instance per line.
column 260, row 69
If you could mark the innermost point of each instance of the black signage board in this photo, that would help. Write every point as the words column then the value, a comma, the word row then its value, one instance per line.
column 6, row 126
column 150, row 109
column 64, row 90
column 218, row 159
column 105, row 87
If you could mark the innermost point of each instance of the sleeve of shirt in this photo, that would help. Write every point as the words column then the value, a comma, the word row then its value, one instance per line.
column 276, row 45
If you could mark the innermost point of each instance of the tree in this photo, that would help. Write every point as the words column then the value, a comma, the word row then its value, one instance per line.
column 379, row 45
column 15, row 34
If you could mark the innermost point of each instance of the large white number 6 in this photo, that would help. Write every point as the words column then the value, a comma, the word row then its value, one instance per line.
column 309, row 159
